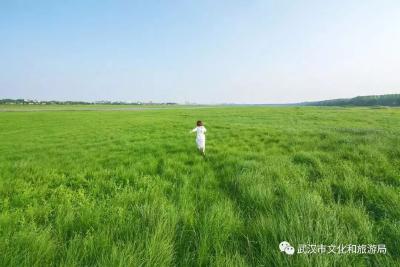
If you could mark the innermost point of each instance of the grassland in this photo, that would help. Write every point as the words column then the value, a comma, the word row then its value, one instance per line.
column 127, row 188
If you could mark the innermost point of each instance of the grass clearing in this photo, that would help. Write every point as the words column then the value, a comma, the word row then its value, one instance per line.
column 113, row 188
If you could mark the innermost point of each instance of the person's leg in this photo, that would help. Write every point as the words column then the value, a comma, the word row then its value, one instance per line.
column 199, row 148
column 201, row 145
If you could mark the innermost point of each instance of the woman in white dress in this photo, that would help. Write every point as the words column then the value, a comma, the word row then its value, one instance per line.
column 201, row 137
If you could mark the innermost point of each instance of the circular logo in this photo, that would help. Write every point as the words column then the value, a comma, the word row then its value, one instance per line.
column 284, row 246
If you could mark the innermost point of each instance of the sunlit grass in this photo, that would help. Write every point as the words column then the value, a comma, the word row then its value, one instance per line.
column 128, row 188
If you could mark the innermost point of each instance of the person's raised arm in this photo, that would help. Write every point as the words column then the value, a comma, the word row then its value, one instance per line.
column 195, row 129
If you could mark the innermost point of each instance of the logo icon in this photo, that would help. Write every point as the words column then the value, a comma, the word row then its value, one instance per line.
column 284, row 246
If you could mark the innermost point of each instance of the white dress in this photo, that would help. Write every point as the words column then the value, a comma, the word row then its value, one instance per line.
column 201, row 137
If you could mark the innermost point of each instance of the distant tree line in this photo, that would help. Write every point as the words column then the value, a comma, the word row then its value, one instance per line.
column 391, row 100
column 53, row 102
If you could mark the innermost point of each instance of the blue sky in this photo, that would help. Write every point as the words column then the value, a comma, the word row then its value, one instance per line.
column 198, row 51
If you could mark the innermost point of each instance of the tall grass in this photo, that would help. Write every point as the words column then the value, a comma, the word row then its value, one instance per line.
column 127, row 188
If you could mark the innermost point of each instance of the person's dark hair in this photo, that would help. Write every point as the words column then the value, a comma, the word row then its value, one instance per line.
column 199, row 123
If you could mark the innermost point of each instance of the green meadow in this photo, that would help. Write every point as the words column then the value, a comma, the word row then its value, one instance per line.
column 128, row 188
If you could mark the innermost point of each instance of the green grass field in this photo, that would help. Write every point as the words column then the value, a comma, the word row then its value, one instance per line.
column 128, row 188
